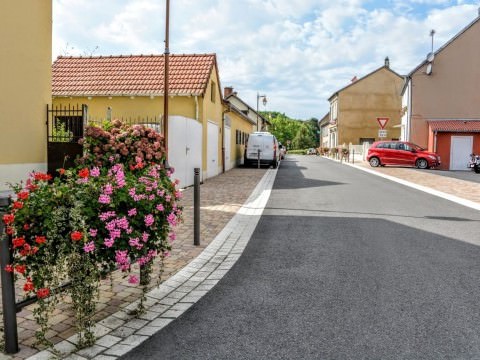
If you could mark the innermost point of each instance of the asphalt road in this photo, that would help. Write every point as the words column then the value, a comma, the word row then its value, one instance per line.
column 342, row 265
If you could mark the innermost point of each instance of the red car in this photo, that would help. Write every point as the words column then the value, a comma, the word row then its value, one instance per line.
column 402, row 153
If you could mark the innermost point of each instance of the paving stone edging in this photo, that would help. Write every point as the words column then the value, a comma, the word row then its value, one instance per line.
column 120, row 332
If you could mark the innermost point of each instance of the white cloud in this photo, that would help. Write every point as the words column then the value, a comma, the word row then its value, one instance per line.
column 297, row 52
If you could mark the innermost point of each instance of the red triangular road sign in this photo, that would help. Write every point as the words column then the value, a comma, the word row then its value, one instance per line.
column 382, row 121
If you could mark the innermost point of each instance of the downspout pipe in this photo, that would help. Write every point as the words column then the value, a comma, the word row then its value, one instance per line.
column 196, row 107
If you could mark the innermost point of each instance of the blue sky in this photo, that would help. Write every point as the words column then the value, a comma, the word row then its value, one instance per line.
column 298, row 53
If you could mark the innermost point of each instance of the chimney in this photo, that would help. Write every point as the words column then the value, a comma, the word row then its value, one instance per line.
column 228, row 90
column 387, row 62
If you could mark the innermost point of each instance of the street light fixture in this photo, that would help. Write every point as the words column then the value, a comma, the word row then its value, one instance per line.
column 264, row 101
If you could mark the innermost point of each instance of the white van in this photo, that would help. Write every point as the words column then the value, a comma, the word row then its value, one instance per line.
column 263, row 145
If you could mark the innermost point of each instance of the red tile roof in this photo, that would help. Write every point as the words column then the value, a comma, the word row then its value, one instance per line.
column 140, row 75
column 455, row 125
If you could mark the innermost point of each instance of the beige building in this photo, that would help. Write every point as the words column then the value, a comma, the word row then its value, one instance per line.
column 361, row 109
column 243, row 121
column 324, row 126
column 25, row 87
column 441, row 99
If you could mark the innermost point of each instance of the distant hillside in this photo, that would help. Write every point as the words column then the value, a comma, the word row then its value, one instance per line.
column 296, row 134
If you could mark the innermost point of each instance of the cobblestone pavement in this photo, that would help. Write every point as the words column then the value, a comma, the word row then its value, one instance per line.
column 221, row 197
column 463, row 189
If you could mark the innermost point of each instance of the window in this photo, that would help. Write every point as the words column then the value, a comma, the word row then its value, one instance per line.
column 212, row 91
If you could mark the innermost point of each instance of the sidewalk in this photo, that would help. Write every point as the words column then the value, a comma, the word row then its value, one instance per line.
column 463, row 192
column 221, row 198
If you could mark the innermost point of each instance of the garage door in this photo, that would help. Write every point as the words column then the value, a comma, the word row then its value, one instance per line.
column 460, row 150
column 184, row 148
column 212, row 150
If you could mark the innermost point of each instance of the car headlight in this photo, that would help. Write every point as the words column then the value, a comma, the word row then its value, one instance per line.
column 432, row 157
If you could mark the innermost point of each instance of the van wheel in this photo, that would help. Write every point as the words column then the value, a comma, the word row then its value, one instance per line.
column 422, row 164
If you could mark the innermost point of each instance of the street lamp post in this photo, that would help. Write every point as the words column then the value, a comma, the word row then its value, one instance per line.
column 264, row 97
column 165, row 80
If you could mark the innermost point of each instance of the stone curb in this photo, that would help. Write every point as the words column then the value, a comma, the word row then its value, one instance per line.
column 120, row 332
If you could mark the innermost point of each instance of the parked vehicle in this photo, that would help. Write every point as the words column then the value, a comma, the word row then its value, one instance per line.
column 312, row 151
column 402, row 153
column 262, row 146
column 474, row 163
column 283, row 151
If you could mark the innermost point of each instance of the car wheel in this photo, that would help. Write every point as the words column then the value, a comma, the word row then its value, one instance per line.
column 422, row 164
column 374, row 162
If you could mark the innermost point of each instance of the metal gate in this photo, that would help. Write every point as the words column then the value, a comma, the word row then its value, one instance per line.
column 65, row 126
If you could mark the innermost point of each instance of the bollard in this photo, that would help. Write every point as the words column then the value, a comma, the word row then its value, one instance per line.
column 8, row 294
column 196, row 206
column 258, row 158
column 353, row 158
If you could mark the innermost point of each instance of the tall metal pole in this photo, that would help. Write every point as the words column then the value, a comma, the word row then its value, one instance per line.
column 165, row 85
column 258, row 97
column 196, row 206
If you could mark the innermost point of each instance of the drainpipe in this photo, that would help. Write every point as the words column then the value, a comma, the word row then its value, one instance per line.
column 196, row 107
column 435, row 141
column 223, row 142
column 410, row 110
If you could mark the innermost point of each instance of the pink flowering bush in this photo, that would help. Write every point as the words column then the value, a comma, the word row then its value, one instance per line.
column 115, row 211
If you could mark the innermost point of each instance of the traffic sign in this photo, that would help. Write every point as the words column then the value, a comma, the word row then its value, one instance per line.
column 382, row 121
column 382, row 133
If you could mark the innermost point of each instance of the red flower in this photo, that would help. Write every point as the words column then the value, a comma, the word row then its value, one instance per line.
column 43, row 293
column 40, row 239
column 42, row 176
column 22, row 195
column 28, row 285
column 31, row 187
column 8, row 219
column 9, row 268
column 83, row 173
column 20, row 269
column 76, row 235
column 18, row 242
column 17, row 205
column 34, row 250
column 26, row 227
column 9, row 230
column 61, row 171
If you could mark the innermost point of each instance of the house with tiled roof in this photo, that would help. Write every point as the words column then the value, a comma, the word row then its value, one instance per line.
column 132, row 88
column 441, row 100
column 358, row 109
column 242, row 120
column 25, row 87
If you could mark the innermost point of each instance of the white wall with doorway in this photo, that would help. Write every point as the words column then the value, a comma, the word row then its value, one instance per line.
column 184, row 148
column 460, row 150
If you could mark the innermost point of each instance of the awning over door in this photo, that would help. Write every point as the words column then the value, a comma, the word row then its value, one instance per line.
column 455, row 125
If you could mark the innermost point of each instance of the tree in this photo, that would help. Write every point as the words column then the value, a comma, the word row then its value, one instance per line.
column 305, row 138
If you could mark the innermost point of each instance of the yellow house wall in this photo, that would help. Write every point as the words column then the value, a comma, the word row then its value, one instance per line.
column 240, row 124
column 137, row 109
column 377, row 95
column 213, row 112
column 25, row 86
